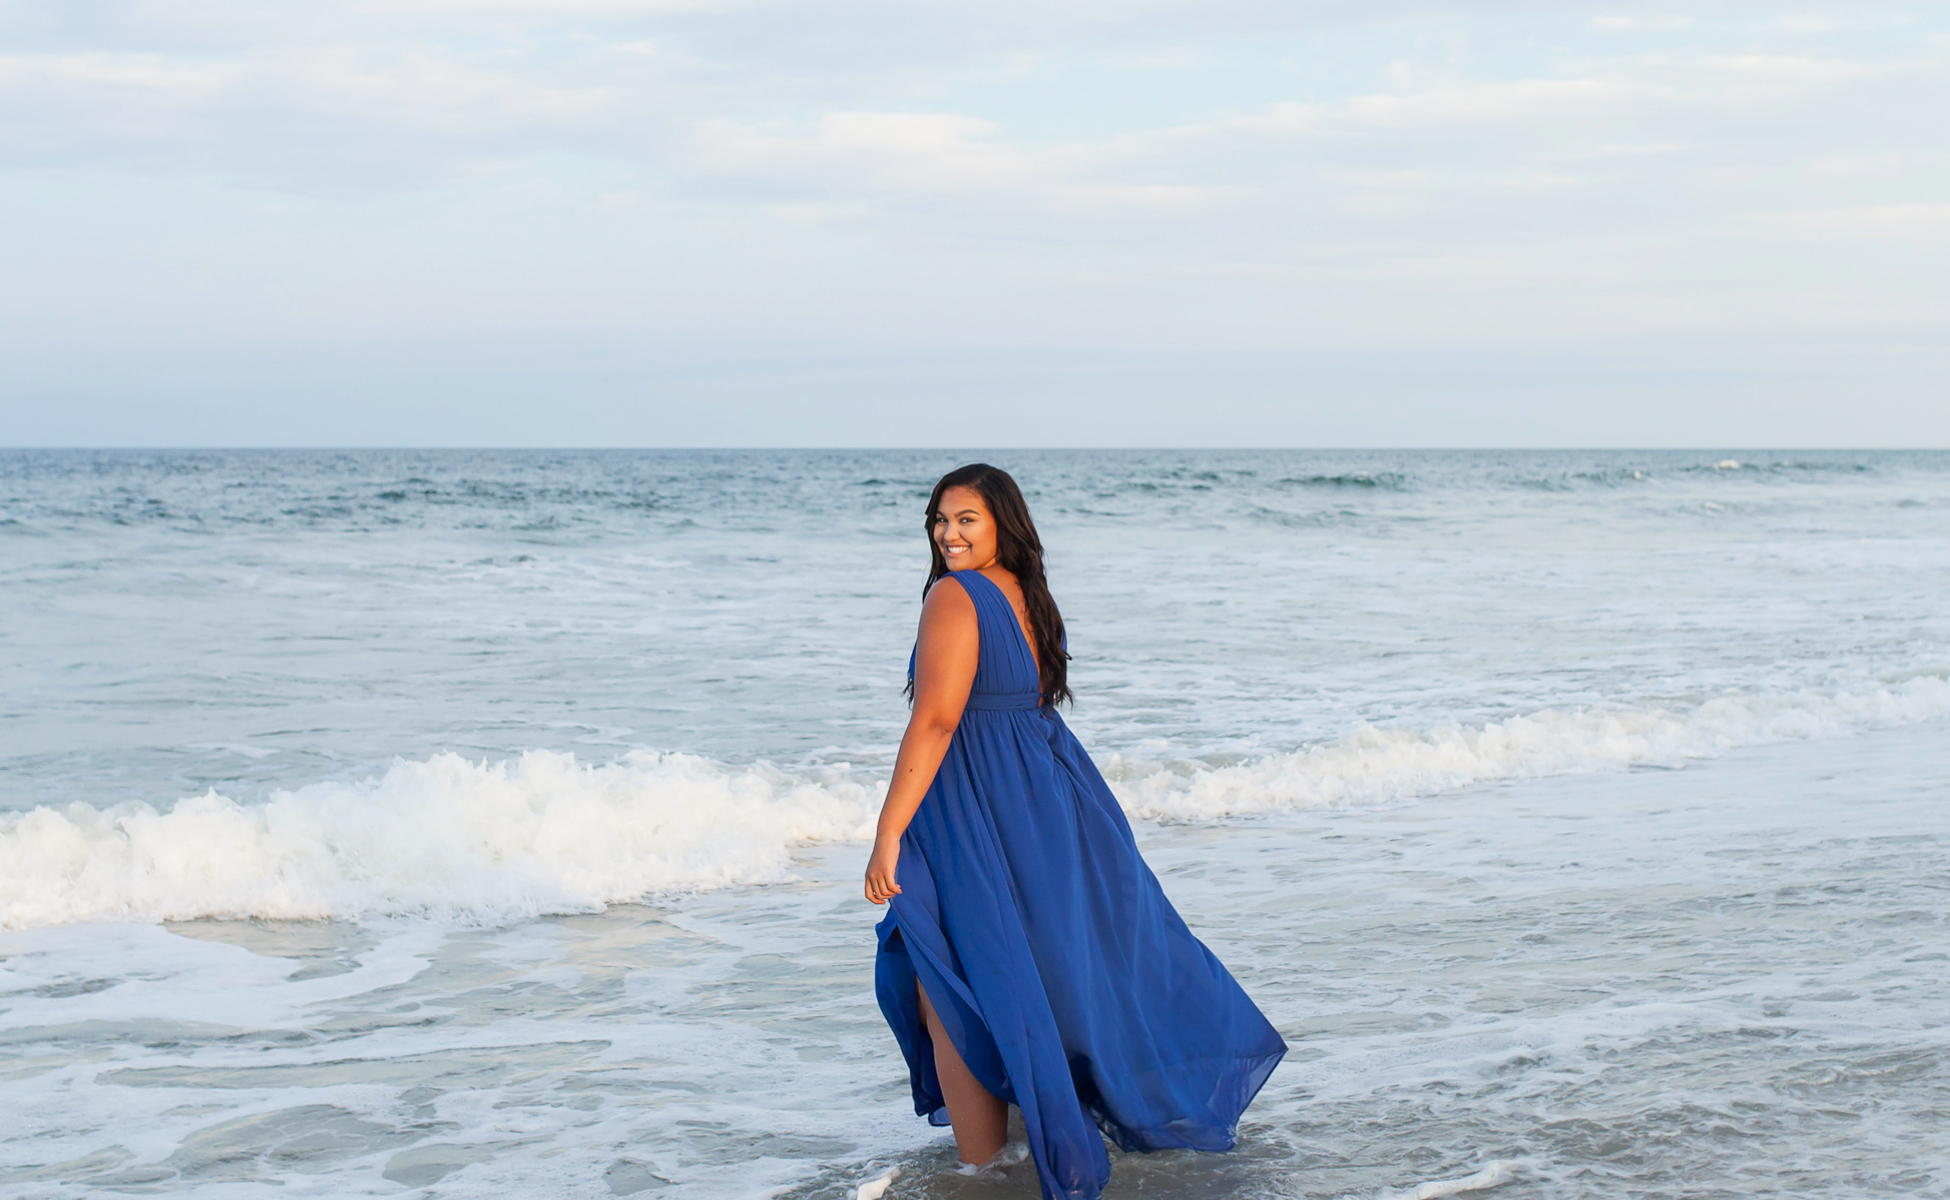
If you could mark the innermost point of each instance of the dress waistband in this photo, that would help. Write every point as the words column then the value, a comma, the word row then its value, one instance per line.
column 1003, row 701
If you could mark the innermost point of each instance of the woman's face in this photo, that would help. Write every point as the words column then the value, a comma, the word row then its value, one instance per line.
column 964, row 530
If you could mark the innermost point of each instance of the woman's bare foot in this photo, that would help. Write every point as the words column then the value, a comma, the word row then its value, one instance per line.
column 1008, row 1156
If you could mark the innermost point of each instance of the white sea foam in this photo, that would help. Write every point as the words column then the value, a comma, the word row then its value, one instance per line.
column 1382, row 764
column 444, row 837
column 1490, row 1176
column 478, row 842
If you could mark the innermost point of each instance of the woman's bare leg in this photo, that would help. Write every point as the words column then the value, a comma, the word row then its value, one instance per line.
column 981, row 1121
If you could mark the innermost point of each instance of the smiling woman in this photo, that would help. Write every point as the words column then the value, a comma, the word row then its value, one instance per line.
column 1029, row 956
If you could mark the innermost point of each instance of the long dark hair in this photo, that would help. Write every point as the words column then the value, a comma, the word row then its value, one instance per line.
column 1020, row 551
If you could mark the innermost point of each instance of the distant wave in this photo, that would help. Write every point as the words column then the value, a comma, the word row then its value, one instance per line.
column 1384, row 764
column 1392, row 481
column 495, row 842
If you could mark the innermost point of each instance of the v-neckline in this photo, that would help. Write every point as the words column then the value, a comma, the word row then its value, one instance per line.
column 1015, row 618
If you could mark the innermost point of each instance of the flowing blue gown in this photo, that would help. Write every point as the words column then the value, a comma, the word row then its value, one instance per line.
column 1066, row 980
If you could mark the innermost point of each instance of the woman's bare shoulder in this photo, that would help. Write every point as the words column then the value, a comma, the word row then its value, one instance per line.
column 948, row 620
column 948, row 602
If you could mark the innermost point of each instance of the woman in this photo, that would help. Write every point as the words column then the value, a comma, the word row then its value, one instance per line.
column 1029, row 956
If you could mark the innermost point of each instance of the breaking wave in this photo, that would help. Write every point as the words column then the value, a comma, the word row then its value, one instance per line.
column 453, row 840
column 443, row 838
column 1382, row 764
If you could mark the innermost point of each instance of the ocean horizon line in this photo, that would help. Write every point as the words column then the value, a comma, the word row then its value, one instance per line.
column 857, row 449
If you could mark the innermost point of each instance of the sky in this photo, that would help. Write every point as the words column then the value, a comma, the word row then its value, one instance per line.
column 994, row 223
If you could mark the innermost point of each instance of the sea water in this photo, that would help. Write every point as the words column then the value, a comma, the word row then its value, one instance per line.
column 489, row 823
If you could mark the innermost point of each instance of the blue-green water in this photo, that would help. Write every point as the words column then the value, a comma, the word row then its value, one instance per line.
column 307, row 896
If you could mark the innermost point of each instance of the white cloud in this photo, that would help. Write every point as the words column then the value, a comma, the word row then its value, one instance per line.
column 1603, row 151
column 1170, row 58
column 414, row 89
column 1639, row 24
column 1857, row 20
column 153, row 73
column 541, row 9
column 931, row 154
column 286, row 116
column 1877, row 222
column 1489, row 103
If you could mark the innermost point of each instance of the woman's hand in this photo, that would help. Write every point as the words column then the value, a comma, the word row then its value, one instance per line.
column 880, row 870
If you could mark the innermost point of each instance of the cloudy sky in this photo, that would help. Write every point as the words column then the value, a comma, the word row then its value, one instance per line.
column 895, row 222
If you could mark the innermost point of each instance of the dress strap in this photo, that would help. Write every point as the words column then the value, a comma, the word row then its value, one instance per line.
column 989, row 598
column 957, row 576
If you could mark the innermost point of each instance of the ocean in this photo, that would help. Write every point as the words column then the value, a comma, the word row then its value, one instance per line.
column 490, row 823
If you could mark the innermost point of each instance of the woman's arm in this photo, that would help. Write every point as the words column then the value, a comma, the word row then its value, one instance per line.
column 944, row 671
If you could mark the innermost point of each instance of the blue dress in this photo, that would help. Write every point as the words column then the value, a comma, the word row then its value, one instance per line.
column 1064, row 977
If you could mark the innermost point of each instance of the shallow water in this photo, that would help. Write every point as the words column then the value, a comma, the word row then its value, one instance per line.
column 1579, row 818
column 1716, row 981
